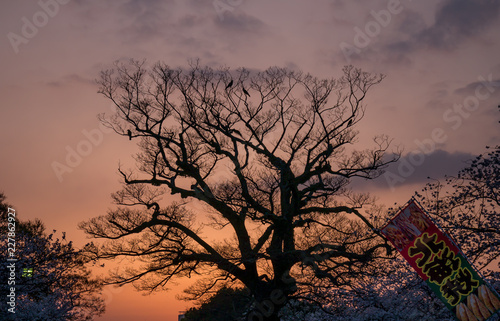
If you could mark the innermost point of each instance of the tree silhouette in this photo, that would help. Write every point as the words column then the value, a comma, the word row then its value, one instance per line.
column 226, row 305
column 467, row 207
column 51, row 279
column 270, row 159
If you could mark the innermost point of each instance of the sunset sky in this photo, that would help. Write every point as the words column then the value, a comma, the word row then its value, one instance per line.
column 438, row 101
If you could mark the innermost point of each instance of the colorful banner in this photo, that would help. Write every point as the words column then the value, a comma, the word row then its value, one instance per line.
column 440, row 263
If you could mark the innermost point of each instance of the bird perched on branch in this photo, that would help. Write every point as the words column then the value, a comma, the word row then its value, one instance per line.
column 229, row 85
column 245, row 91
column 129, row 133
column 235, row 131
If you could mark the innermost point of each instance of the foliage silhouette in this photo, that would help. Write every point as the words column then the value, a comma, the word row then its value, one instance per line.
column 51, row 279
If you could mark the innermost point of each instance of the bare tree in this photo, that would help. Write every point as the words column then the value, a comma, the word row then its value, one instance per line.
column 270, row 154
column 467, row 205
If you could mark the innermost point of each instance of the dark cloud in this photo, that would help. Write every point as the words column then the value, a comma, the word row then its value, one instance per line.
column 71, row 79
column 239, row 22
column 438, row 96
column 487, row 93
column 186, row 28
column 128, row 22
column 410, row 23
column 396, row 53
column 410, row 169
column 470, row 89
column 458, row 20
column 145, row 19
column 455, row 22
column 143, row 6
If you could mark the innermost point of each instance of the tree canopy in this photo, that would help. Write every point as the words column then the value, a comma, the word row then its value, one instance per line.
column 467, row 207
column 52, row 282
column 226, row 305
column 270, row 154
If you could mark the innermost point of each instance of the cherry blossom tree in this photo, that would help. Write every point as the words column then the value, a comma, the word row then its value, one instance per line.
column 467, row 207
column 51, row 279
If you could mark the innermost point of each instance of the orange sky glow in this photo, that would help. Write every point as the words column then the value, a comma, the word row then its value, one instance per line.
column 439, row 98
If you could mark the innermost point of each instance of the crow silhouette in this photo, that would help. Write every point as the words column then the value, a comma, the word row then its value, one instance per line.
column 229, row 85
column 129, row 133
column 235, row 131
column 245, row 92
column 349, row 123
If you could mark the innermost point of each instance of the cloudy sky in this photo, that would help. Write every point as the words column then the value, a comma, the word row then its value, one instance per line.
column 438, row 101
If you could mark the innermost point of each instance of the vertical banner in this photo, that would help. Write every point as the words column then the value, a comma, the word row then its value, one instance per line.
column 440, row 263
